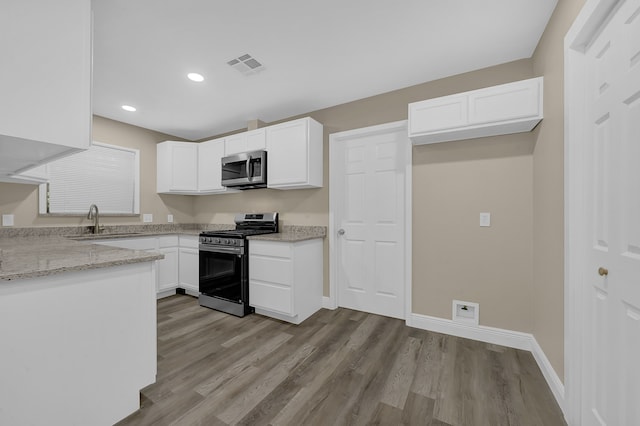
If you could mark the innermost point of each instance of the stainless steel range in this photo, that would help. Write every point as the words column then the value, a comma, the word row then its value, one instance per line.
column 224, row 263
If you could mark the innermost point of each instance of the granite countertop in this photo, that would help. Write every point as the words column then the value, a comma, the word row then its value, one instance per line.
column 292, row 234
column 29, row 257
column 42, row 251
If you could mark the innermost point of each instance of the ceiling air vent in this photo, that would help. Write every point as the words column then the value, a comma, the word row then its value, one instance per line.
column 246, row 64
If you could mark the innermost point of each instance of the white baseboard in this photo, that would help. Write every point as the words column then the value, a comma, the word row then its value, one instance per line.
column 497, row 336
column 556, row 385
column 328, row 303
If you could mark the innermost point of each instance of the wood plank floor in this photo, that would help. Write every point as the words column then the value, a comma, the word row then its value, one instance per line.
column 338, row 367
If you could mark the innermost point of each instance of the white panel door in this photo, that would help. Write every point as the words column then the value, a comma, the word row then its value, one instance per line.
column 369, row 177
column 611, row 368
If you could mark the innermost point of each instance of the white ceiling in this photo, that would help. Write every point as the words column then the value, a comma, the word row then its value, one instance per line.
column 315, row 54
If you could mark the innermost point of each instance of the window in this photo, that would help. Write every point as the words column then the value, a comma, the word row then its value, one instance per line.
column 105, row 175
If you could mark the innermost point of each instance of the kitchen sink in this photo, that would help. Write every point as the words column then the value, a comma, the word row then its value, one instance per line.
column 105, row 236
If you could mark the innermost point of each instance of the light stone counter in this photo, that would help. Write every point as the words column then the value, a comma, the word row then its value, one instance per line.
column 29, row 257
column 42, row 251
column 292, row 234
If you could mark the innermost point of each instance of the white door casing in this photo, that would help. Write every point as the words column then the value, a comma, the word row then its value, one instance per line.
column 370, row 219
column 602, row 219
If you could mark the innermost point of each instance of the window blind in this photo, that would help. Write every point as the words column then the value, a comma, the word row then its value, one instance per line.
column 105, row 175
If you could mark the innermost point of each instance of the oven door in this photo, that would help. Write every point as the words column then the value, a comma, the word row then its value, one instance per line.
column 224, row 273
column 245, row 170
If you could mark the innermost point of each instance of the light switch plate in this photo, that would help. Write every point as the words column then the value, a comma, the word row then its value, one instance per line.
column 169, row 218
column 147, row 218
column 485, row 219
column 7, row 220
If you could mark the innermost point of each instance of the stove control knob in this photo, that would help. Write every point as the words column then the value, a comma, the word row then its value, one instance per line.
column 225, row 242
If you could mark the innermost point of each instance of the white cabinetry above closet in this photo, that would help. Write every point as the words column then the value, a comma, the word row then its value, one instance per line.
column 508, row 108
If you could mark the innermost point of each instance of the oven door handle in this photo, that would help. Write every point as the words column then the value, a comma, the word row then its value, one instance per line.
column 220, row 249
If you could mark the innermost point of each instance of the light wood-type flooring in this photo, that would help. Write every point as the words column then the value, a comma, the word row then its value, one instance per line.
column 337, row 367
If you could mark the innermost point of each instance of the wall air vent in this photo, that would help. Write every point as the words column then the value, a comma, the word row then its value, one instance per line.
column 246, row 64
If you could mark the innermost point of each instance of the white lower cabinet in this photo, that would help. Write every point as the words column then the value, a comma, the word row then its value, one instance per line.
column 168, row 267
column 189, row 264
column 286, row 278
column 179, row 268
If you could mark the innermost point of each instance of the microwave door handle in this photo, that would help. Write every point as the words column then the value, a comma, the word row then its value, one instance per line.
column 248, row 168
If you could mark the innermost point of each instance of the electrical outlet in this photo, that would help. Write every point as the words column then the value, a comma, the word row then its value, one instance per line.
column 7, row 220
column 147, row 218
column 169, row 218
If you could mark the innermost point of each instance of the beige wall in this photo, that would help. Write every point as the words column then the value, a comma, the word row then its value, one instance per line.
column 22, row 200
column 548, row 192
column 453, row 256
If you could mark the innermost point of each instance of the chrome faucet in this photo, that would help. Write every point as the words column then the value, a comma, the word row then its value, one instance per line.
column 93, row 214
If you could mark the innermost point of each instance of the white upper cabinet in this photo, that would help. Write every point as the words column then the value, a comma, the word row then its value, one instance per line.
column 45, row 82
column 508, row 108
column 210, row 154
column 252, row 140
column 177, row 164
column 294, row 159
column 294, row 154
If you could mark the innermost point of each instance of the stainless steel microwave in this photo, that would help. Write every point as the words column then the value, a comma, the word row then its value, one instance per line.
column 247, row 170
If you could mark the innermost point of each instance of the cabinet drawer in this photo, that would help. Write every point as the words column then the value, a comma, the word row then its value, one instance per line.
column 272, row 297
column 189, row 241
column 273, row 270
column 270, row 248
column 168, row 241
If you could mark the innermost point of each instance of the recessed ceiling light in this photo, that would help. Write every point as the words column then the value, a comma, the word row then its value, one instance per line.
column 128, row 108
column 194, row 76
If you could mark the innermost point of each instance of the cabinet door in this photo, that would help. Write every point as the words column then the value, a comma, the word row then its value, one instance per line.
column 252, row 140
column 209, row 173
column 287, row 153
column 438, row 114
column 256, row 140
column 184, row 167
column 45, row 81
column 177, row 167
column 512, row 101
column 189, row 264
column 168, row 269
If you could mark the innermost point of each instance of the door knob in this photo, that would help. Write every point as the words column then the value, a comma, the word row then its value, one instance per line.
column 603, row 271
column 341, row 231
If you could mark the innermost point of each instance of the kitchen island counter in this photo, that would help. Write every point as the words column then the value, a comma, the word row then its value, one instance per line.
column 30, row 257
